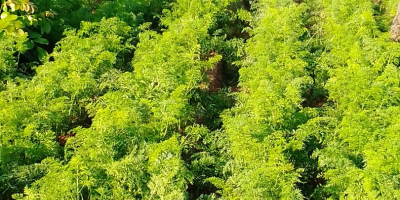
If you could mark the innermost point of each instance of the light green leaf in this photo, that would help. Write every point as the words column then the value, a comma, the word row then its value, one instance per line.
column 4, row 15
column 3, row 24
column 10, row 17
column 19, row 24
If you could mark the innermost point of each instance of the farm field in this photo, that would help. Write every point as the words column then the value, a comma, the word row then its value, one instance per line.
column 199, row 99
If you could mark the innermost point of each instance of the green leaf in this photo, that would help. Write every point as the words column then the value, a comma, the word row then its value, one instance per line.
column 217, row 182
column 10, row 29
column 4, row 15
column 4, row 8
column 12, row 17
column 18, row 196
column 19, row 24
column 3, row 24
column 8, row 17
column 45, row 27
column 29, row 44
column 33, row 34
column 41, row 41
column 41, row 53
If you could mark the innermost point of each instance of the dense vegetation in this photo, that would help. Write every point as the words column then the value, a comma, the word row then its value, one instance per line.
column 199, row 99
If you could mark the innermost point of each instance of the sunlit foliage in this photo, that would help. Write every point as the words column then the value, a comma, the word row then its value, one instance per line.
column 205, row 99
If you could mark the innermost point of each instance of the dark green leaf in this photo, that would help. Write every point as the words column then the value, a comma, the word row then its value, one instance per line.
column 41, row 53
column 45, row 27
column 29, row 44
column 41, row 41
column 33, row 34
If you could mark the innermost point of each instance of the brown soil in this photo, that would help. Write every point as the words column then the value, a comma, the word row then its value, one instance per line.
column 62, row 139
column 214, row 76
